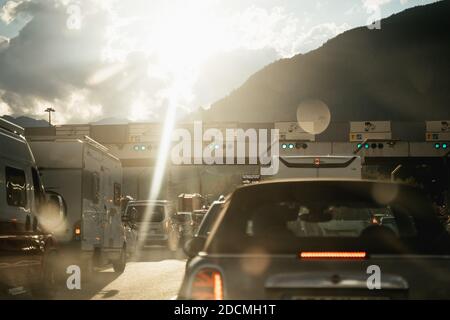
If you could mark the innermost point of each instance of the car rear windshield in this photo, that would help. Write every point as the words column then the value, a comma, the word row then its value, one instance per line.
column 288, row 217
column 316, row 219
column 147, row 213
column 183, row 217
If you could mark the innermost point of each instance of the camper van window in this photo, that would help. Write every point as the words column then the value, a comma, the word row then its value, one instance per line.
column 16, row 191
column 37, row 186
column 117, row 194
column 91, row 186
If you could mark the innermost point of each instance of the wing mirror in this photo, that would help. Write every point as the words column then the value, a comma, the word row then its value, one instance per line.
column 53, row 212
column 193, row 246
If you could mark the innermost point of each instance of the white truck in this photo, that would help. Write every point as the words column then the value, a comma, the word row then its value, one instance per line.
column 28, row 251
column 89, row 178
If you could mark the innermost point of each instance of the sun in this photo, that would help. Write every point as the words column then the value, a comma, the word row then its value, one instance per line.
column 177, row 37
column 185, row 35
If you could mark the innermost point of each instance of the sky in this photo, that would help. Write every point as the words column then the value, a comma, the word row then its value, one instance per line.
column 111, row 59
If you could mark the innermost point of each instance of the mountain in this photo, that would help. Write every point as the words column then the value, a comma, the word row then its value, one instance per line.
column 26, row 122
column 110, row 121
column 400, row 72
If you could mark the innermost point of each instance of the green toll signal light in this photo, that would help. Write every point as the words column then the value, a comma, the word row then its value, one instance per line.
column 359, row 145
column 366, row 146
column 291, row 146
column 284, row 146
column 444, row 146
column 437, row 145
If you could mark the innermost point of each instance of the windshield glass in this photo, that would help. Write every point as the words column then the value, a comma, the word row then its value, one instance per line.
column 285, row 217
column 325, row 220
column 143, row 214
column 183, row 217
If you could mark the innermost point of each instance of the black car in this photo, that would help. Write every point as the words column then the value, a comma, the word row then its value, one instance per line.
column 316, row 239
column 203, row 230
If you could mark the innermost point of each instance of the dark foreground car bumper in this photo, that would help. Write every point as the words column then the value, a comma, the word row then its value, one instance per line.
column 285, row 277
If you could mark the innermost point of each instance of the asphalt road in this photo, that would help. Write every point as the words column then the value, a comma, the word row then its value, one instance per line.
column 155, row 274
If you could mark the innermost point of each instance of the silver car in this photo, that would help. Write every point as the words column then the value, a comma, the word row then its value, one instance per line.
column 153, row 220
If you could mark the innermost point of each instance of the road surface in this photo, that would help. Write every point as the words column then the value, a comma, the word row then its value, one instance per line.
column 156, row 274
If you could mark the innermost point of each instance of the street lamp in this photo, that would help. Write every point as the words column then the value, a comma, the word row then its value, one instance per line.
column 50, row 110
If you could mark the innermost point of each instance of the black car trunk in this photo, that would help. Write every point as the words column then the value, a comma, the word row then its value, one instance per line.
column 288, row 277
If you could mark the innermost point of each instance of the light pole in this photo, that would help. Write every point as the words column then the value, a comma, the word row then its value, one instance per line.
column 50, row 110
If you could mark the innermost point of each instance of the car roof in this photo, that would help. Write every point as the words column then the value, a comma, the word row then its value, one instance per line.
column 146, row 202
column 218, row 202
column 320, row 180
column 11, row 127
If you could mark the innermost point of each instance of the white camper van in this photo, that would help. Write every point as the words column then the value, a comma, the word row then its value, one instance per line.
column 28, row 252
column 89, row 178
column 296, row 166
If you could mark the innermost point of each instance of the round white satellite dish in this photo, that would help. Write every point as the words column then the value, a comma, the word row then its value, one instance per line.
column 313, row 116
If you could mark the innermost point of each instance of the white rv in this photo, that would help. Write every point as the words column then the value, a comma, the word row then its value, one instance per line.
column 89, row 178
column 28, row 252
column 296, row 166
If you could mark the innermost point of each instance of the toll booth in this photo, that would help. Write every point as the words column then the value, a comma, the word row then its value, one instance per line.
column 291, row 131
column 373, row 130
column 423, row 163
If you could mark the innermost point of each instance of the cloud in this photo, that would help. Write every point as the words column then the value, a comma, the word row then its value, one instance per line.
column 49, row 64
column 13, row 9
column 124, row 59
column 317, row 35
column 374, row 3
column 370, row 4
column 9, row 11
column 218, row 80
column 4, row 108
column 258, row 28
column 4, row 43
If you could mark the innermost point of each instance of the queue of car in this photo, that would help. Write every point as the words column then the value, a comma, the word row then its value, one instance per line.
column 60, row 205
column 316, row 238
column 319, row 238
column 89, row 180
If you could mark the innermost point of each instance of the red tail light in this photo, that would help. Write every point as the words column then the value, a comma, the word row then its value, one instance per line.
column 77, row 230
column 207, row 285
column 333, row 255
